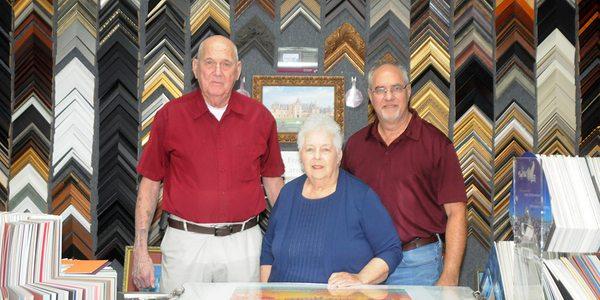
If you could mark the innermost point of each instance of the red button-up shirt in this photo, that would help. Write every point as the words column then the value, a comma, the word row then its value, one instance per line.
column 212, row 169
column 414, row 176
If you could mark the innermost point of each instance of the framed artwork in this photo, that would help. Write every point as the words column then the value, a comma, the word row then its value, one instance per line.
column 291, row 99
column 156, row 257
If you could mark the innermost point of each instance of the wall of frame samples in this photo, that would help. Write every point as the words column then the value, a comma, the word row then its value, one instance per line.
column 80, row 82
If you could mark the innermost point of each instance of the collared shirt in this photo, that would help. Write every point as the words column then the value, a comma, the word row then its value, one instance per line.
column 414, row 176
column 211, row 170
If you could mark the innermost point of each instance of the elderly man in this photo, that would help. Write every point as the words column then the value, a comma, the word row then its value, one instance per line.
column 413, row 167
column 210, row 148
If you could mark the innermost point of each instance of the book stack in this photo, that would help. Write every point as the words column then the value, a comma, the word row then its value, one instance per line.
column 30, row 267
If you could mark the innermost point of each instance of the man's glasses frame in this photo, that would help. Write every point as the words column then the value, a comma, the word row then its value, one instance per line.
column 395, row 89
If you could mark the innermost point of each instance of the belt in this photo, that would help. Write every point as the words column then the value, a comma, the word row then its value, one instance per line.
column 419, row 242
column 216, row 231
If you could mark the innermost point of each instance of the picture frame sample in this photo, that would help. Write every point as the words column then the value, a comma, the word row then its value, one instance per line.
column 156, row 257
column 291, row 99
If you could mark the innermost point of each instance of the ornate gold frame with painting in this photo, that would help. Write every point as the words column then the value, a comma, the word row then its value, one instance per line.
column 336, row 82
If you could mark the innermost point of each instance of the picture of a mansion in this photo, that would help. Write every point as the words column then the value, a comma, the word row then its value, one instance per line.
column 297, row 110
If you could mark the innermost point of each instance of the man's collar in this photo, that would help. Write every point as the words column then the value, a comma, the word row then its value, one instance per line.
column 200, row 108
column 413, row 130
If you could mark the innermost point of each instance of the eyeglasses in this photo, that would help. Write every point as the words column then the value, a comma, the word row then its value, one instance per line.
column 394, row 89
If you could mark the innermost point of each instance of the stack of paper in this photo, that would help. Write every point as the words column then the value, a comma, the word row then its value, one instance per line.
column 576, row 277
column 497, row 282
column 30, row 247
column 575, row 204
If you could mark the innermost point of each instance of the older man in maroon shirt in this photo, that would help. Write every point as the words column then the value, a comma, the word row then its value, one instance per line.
column 210, row 148
column 413, row 167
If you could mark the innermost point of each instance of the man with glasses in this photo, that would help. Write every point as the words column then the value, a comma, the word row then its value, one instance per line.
column 414, row 169
column 210, row 149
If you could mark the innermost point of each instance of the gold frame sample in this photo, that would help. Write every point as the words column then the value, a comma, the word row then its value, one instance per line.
column 156, row 257
column 337, row 82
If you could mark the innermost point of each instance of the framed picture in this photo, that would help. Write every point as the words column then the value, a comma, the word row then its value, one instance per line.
column 291, row 99
column 156, row 257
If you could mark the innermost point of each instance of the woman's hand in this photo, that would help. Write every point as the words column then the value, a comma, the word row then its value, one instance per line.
column 343, row 279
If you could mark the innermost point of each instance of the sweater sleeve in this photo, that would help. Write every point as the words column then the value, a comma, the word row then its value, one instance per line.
column 380, row 231
column 266, row 255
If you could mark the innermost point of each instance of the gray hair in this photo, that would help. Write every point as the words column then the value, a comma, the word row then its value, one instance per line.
column 201, row 47
column 400, row 67
column 318, row 122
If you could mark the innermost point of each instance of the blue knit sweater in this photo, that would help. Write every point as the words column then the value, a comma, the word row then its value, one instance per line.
column 309, row 239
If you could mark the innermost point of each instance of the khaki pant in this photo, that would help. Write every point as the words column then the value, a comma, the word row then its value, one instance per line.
column 195, row 257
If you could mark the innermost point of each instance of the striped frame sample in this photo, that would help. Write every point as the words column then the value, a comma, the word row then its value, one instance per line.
column 75, row 84
column 430, row 61
column 589, row 72
column 208, row 17
column 32, row 106
column 345, row 42
column 388, row 36
column 118, row 118
column 357, row 9
column 291, row 9
column 514, row 105
column 268, row 6
column 473, row 129
column 5, row 97
column 555, row 81
column 163, row 67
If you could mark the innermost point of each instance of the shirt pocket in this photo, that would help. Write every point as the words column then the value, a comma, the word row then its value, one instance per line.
column 248, row 161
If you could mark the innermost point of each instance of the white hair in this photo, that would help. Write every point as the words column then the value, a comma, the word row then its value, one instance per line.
column 318, row 122
column 400, row 67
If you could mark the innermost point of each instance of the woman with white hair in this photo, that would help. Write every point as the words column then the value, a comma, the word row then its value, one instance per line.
column 327, row 226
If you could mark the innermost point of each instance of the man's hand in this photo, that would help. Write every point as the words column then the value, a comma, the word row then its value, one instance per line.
column 342, row 280
column 446, row 280
column 143, row 270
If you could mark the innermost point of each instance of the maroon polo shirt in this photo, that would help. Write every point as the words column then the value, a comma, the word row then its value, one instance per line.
column 414, row 176
column 212, row 169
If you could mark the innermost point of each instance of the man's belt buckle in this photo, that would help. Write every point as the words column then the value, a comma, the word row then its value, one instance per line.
column 223, row 231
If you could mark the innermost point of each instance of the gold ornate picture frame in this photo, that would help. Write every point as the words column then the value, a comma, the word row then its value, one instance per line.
column 293, row 98
column 156, row 257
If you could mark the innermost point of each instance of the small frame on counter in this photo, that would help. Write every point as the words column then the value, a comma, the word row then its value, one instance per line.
column 156, row 257
column 291, row 99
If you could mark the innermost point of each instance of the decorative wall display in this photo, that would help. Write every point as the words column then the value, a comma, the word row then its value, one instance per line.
column 345, row 42
column 514, row 101
column 164, row 70
column 309, row 9
column 5, row 97
column 118, row 48
column 256, row 35
column 356, row 8
column 208, row 17
column 74, row 100
column 81, row 81
column 555, row 82
column 473, row 128
column 589, row 71
column 31, row 106
column 430, row 61
column 388, row 38
column 268, row 6
column 291, row 99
